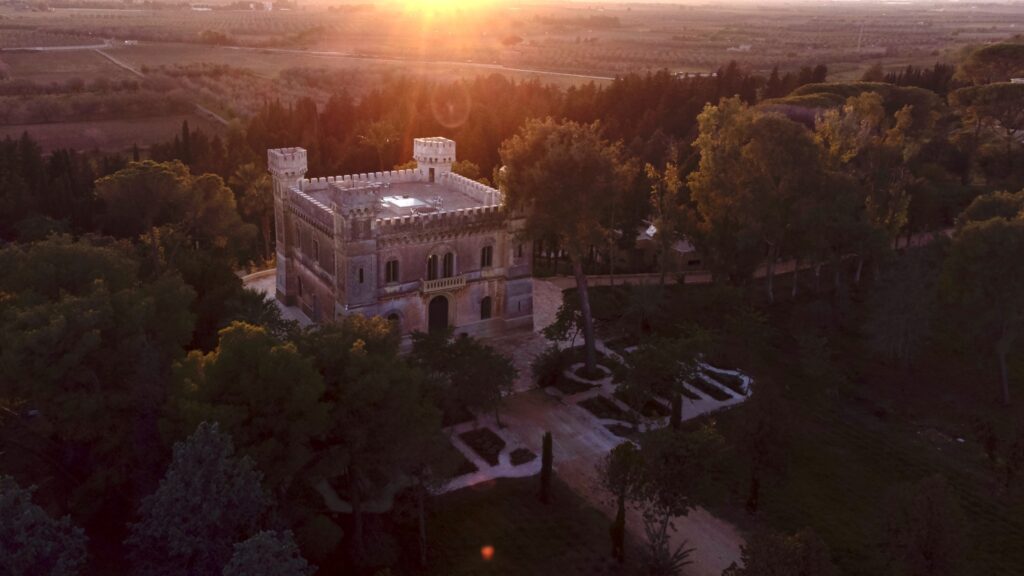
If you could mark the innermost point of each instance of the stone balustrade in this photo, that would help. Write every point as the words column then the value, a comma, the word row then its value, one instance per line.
column 443, row 284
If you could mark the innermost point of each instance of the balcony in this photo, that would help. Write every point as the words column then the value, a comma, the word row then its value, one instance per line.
column 443, row 284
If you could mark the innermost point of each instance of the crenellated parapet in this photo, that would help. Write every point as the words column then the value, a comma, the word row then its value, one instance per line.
column 287, row 161
column 434, row 150
column 312, row 211
column 482, row 193
column 463, row 219
column 355, row 180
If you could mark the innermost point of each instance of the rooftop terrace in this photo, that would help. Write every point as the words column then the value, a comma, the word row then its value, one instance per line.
column 402, row 193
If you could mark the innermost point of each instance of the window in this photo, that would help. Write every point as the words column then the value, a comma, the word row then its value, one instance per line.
column 486, row 256
column 391, row 271
column 485, row 308
column 432, row 267
column 300, row 286
column 519, row 251
column 316, row 251
column 396, row 322
column 449, row 265
column 360, row 275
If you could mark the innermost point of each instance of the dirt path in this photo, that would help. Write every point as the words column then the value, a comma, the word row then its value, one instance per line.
column 203, row 110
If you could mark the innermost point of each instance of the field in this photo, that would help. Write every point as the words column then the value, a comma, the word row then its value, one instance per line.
column 110, row 135
column 59, row 66
column 232, row 61
column 606, row 40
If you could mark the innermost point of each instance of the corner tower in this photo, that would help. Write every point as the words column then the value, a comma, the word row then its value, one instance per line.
column 434, row 156
column 287, row 166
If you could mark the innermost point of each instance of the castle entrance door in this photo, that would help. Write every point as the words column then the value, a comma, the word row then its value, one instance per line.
column 438, row 315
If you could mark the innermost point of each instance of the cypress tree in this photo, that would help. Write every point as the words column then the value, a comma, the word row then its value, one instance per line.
column 186, row 143
column 545, row 469
column 618, row 533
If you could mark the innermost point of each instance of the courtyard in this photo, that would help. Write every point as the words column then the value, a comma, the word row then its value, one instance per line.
column 586, row 422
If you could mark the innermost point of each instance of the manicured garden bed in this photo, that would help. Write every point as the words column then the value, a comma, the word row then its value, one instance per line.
column 688, row 393
column 600, row 373
column 485, row 443
column 655, row 409
column 522, row 456
column 465, row 466
column 709, row 389
column 605, row 409
column 623, row 431
column 730, row 381
column 568, row 386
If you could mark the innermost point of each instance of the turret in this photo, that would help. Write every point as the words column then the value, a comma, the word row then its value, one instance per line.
column 434, row 156
column 287, row 165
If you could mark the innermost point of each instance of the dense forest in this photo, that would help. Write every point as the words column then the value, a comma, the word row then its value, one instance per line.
column 171, row 421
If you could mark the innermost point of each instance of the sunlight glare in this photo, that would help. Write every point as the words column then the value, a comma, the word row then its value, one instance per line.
column 432, row 8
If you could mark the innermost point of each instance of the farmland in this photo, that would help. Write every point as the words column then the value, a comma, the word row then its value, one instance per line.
column 233, row 61
column 110, row 135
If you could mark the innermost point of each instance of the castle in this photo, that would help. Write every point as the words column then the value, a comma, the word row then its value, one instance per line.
column 426, row 248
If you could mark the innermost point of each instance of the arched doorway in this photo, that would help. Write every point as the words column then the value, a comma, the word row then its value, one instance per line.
column 438, row 315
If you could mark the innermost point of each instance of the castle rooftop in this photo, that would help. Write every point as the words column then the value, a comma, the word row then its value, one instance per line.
column 406, row 198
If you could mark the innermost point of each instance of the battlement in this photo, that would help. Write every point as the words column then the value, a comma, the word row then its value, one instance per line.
column 482, row 193
column 433, row 150
column 287, row 161
column 350, row 181
column 447, row 219
column 312, row 210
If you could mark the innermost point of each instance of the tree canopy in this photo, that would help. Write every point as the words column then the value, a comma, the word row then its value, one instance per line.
column 208, row 500
column 31, row 542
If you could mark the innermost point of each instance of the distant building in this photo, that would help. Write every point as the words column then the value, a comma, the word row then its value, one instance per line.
column 425, row 248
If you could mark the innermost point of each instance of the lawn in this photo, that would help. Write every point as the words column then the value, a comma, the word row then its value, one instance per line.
column 564, row 538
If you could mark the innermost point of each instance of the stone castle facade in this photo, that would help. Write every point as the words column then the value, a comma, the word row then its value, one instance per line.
column 426, row 248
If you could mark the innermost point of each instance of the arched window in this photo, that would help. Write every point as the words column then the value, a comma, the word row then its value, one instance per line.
column 391, row 271
column 316, row 251
column 485, row 308
column 396, row 322
column 519, row 251
column 360, row 275
column 449, row 265
column 486, row 256
column 432, row 267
